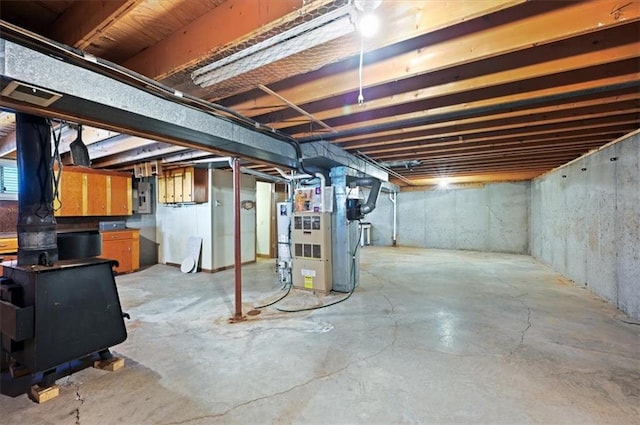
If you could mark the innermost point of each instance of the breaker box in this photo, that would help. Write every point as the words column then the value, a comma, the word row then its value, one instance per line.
column 311, row 241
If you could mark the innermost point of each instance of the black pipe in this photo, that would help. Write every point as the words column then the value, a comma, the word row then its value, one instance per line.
column 372, row 199
column 36, row 223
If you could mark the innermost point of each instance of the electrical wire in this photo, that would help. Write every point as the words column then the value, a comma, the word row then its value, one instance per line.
column 276, row 301
column 353, row 280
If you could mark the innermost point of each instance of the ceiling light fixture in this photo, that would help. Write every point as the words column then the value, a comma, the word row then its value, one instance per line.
column 443, row 183
column 368, row 25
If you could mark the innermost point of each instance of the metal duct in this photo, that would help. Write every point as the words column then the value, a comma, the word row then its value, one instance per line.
column 376, row 185
column 36, row 223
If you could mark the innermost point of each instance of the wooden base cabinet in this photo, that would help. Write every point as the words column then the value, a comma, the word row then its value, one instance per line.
column 123, row 246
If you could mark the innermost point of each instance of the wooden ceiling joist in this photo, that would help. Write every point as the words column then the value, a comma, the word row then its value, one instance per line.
column 81, row 23
column 544, row 27
column 229, row 23
column 592, row 50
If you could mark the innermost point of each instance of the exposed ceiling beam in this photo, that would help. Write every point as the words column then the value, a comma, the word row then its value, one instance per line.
column 213, row 32
column 608, row 132
column 8, row 144
column 505, row 147
column 138, row 154
column 487, row 106
column 475, row 177
column 454, row 82
column 570, row 118
column 550, row 110
column 586, row 126
column 84, row 21
column 553, row 25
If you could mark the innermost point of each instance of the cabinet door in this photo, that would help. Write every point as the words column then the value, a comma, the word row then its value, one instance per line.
column 162, row 189
column 135, row 250
column 169, row 188
column 120, row 196
column 96, row 187
column 187, row 185
column 70, row 192
column 177, row 186
column 120, row 250
column 200, row 185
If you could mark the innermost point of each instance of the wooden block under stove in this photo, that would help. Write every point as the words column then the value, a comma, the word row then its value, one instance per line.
column 41, row 395
column 111, row 365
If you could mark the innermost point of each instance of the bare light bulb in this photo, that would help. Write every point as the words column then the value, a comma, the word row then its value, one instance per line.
column 368, row 25
column 443, row 183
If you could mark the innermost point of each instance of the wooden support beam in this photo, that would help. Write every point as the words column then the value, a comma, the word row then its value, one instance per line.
column 573, row 19
column 84, row 21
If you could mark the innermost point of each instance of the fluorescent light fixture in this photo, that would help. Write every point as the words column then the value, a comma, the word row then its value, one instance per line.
column 328, row 27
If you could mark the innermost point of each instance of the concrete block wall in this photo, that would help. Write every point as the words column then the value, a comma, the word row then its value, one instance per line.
column 494, row 218
column 585, row 222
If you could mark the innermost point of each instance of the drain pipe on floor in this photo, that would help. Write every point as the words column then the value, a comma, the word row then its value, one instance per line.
column 394, row 237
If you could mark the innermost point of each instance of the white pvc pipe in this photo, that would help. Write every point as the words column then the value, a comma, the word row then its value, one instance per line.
column 294, row 176
column 392, row 198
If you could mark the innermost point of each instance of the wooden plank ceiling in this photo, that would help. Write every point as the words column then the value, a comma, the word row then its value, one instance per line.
column 471, row 91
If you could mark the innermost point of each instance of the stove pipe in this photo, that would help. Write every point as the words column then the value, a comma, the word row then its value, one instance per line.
column 36, row 223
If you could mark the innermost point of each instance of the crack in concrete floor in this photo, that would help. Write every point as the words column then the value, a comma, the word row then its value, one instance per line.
column 295, row 387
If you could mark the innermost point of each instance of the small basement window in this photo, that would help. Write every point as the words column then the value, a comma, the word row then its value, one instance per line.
column 8, row 179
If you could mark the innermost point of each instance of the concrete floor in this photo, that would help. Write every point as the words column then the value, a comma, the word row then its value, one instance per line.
column 428, row 337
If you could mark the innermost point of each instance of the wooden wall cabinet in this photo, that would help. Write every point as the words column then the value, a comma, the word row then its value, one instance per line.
column 88, row 192
column 183, row 185
column 123, row 246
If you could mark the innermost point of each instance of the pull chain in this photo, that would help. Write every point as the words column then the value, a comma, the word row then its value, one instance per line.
column 360, row 95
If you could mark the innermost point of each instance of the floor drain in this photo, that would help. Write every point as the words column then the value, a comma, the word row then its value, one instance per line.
column 253, row 312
